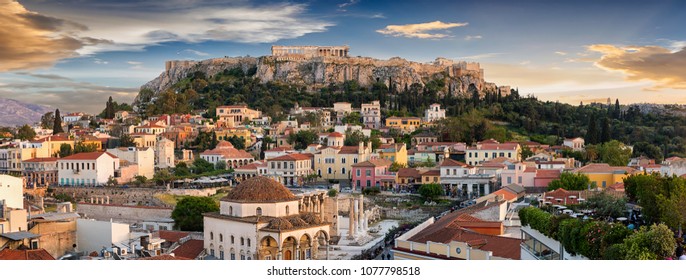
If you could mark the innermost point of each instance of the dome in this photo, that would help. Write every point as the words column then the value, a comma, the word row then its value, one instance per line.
column 311, row 218
column 279, row 224
column 224, row 145
column 260, row 189
column 297, row 221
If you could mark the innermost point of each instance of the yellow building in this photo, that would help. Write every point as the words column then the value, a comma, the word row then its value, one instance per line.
column 405, row 125
column 336, row 162
column 231, row 116
column 24, row 151
column 604, row 175
column 53, row 143
column 431, row 176
column 396, row 153
column 144, row 140
column 91, row 140
column 240, row 132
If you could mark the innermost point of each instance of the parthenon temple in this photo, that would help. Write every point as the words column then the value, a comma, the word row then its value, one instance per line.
column 311, row 51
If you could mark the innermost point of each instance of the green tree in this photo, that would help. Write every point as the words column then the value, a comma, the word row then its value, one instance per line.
column 526, row 152
column 571, row 182
column 81, row 147
column 353, row 138
column 182, row 170
column 163, row 177
column 188, row 212
column 302, row 139
column 126, row 141
column 57, row 125
column 47, row 120
column 648, row 150
column 140, row 180
column 332, row 193
column 430, row 191
column 201, row 166
column 606, row 205
column 353, row 118
column 237, row 142
column 605, row 130
column 25, row 132
column 65, row 150
column 111, row 182
column 592, row 131
column 614, row 153
column 617, row 111
column 395, row 167
column 221, row 165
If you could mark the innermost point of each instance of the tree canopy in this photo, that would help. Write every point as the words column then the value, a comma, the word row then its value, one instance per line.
column 430, row 191
column 571, row 182
column 188, row 212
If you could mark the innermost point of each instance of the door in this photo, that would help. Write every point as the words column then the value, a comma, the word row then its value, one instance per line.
column 288, row 255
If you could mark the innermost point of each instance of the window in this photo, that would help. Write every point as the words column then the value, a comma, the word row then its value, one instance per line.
column 329, row 170
column 287, row 211
column 343, row 170
column 232, row 239
column 233, row 254
column 358, row 173
column 358, row 183
column 211, row 235
column 230, row 210
column 369, row 183
column 519, row 180
column 368, row 172
column 221, row 252
column 258, row 212
column 242, row 241
column 509, row 180
column 509, row 155
column 343, row 160
column 248, row 242
column 354, row 160
column 221, row 237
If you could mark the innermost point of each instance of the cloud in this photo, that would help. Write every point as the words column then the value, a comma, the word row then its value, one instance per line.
column 664, row 67
column 420, row 30
column 479, row 56
column 43, row 76
column 100, row 61
column 194, row 52
column 31, row 40
column 475, row 37
column 342, row 6
column 560, row 53
column 55, row 30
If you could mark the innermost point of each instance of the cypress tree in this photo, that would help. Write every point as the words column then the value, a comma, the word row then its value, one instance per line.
column 57, row 124
column 617, row 109
column 605, row 131
column 592, row 132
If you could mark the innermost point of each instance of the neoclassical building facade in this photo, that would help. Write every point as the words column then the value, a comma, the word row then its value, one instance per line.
column 261, row 219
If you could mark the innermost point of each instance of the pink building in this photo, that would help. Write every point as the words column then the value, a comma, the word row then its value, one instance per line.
column 373, row 172
column 532, row 179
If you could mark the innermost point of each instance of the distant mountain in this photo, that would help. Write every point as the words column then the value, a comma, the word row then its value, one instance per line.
column 13, row 112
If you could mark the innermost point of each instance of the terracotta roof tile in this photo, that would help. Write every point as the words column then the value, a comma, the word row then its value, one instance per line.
column 173, row 235
column 87, row 156
column 374, row 163
column 189, row 249
column 291, row 157
column 43, row 159
column 408, row 172
column 37, row 254
column 451, row 162
column 259, row 189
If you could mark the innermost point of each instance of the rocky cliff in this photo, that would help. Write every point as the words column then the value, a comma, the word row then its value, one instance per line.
column 316, row 72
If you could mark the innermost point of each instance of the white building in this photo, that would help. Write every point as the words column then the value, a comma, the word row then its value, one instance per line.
column 150, row 129
column 434, row 113
column 290, row 169
column 227, row 153
column 72, row 117
column 261, row 219
column 335, row 139
column 277, row 152
column 489, row 150
column 463, row 180
column 342, row 129
column 12, row 191
column 164, row 153
column 87, row 169
column 93, row 236
column 577, row 144
column 143, row 157
column 371, row 114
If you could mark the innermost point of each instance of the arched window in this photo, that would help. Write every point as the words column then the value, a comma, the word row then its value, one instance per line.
column 211, row 235
column 287, row 210
column 232, row 239
column 221, row 252
column 233, row 254
column 259, row 211
column 249, row 258
column 248, row 243
column 211, row 249
column 242, row 241
column 221, row 237
column 230, row 210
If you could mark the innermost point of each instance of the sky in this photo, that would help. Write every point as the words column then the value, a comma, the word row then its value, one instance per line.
column 74, row 54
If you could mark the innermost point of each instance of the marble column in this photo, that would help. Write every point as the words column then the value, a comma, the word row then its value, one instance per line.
column 351, row 219
column 360, row 217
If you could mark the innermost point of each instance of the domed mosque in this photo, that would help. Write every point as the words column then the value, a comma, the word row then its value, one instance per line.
column 262, row 219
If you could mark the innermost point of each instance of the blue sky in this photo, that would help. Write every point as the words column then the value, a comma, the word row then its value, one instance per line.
column 73, row 54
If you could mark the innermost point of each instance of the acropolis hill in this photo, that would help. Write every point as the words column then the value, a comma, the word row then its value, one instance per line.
column 313, row 67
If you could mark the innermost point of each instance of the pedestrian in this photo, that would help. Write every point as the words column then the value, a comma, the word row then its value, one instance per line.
column 680, row 253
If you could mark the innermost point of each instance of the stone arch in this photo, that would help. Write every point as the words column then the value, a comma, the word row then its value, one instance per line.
column 268, row 247
column 221, row 252
column 305, row 250
column 232, row 254
column 288, row 247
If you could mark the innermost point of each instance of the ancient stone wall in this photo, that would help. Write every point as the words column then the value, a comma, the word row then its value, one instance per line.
column 122, row 213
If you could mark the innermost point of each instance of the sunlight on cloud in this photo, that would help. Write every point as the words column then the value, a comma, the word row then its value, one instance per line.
column 35, row 40
column 664, row 67
column 420, row 30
